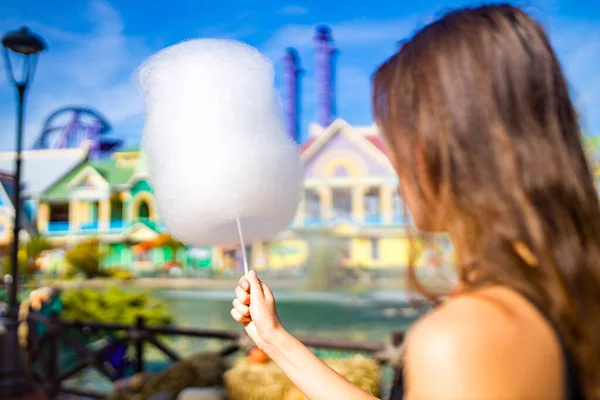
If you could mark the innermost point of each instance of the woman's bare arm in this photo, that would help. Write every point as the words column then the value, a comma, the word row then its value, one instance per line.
column 254, row 306
column 311, row 375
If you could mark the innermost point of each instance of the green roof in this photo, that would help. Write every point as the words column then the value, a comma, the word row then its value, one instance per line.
column 114, row 174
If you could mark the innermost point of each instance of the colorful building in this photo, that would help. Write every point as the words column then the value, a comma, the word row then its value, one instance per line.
column 110, row 200
column 350, row 194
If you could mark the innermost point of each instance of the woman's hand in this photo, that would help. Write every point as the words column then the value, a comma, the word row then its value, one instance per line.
column 254, row 307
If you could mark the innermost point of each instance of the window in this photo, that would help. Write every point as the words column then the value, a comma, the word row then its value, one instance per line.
column 93, row 211
column 342, row 201
column 143, row 210
column 59, row 212
column 372, row 203
column 313, row 204
column 116, row 209
column 397, row 205
column 374, row 249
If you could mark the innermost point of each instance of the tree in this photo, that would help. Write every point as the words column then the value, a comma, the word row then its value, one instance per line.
column 86, row 258
column 34, row 248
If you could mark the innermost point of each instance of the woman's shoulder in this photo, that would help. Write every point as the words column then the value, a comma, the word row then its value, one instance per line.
column 477, row 326
column 475, row 312
column 482, row 341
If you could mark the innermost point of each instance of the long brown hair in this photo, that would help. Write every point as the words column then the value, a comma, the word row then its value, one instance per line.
column 481, row 94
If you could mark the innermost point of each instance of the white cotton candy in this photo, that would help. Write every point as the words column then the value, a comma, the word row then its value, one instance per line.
column 216, row 144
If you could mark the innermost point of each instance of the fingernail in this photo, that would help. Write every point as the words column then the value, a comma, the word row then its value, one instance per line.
column 252, row 273
column 245, row 286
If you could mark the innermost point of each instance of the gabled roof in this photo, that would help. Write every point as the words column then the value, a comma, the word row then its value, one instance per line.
column 142, row 232
column 7, row 188
column 371, row 143
column 42, row 168
column 114, row 174
column 375, row 141
column 7, row 182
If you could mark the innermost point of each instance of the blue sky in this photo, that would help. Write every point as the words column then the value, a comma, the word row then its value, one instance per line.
column 95, row 45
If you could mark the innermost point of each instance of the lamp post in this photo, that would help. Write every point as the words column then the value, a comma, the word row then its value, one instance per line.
column 27, row 45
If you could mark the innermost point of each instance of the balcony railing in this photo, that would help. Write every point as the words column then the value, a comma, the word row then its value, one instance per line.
column 89, row 227
column 58, row 227
column 373, row 219
column 117, row 225
column 313, row 221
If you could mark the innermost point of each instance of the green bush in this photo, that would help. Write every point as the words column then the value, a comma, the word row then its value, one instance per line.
column 36, row 246
column 86, row 257
column 113, row 305
column 121, row 273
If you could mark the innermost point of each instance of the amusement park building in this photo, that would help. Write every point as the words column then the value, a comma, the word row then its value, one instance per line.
column 350, row 193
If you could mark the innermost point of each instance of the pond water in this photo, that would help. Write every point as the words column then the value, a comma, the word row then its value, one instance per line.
column 362, row 317
column 370, row 317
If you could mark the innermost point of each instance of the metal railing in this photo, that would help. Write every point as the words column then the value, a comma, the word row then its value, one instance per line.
column 51, row 376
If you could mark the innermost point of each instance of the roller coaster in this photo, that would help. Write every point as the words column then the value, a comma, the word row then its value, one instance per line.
column 71, row 127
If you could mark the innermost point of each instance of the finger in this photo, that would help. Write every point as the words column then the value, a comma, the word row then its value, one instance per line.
column 243, row 283
column 242, row 309
column 239, row 317
column 242, row 295
column 268, row 293
column 255, row 285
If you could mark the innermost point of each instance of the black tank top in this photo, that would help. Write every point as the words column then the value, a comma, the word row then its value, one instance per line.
column 573, row 389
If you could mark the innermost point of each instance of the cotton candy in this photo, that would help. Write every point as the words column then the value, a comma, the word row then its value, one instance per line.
column 215, row 143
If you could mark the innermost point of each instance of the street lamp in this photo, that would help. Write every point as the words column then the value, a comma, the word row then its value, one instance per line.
column 27, row 45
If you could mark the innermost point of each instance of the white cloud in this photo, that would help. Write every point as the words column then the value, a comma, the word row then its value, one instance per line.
column 85, row 69
column 293, row 9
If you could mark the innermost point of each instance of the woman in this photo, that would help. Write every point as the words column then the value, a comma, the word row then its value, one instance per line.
column 480, row 128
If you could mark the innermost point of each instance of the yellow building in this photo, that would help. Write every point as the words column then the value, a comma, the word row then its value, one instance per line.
column 350, row 195
column 350, row 199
